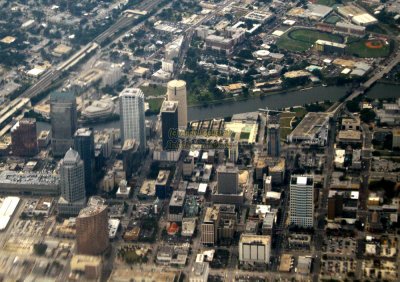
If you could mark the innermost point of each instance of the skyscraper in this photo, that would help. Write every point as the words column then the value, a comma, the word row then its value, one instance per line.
column 63, row 121
column 273, row 136
column 72, row 184
column 84, row 145
column 92, row 230
column 228, row 179
column 169, row 125
column 132, row 120
column 301, row 207
column 176, row 91
column 24, row 138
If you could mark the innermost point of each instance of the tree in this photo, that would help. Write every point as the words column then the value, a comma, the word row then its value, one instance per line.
column 353, row 106
column 40, row 249
column 367, row 115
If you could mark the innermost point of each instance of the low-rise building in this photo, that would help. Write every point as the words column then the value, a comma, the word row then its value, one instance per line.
column 254, row 249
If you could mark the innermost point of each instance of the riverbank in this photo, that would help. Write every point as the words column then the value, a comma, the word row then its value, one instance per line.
column 254, row 96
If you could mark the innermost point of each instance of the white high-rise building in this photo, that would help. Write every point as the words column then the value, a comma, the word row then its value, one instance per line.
column 176, row 91
column 302, row 201
column 132, row 120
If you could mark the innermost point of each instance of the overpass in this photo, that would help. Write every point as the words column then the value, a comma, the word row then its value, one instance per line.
column 366, row 85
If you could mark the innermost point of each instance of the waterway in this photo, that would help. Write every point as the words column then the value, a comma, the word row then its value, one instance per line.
column 275, row 101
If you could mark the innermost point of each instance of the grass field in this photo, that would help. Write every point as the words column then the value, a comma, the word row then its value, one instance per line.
column 153, row 90
column 155, row 104
column 302, row 39
column 358, row 48
column 332, row 19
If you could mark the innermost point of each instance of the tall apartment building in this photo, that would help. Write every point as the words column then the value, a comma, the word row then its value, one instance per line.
column 302, row 201
column 92, row 230
column 63, row 119
column 24, row 138
column 209, row 227
column 132, row 118
column 84, row 145
column 169, row 125
column 72, row 184
column 176, row 91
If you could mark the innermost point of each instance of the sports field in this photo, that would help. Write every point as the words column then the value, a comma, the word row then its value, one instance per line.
column 368, row 48
column 302, row 39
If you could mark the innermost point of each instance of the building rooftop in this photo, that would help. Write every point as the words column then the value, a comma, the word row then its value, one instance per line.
column 310, row 125
column 211, row 214
column 83, row 132
column 284, row 265
column 302, row 180
column 162, row 177
column 177, row 198
column 349, row 135
column 91, row 211
column 169, row 106
column 250, row 238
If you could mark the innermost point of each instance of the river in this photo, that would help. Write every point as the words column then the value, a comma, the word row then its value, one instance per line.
column 275, row 101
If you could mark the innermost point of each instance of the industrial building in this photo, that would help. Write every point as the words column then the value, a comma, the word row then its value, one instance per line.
column 7, row 209
column 301, row 208
column 254, row 249
column 356, row 15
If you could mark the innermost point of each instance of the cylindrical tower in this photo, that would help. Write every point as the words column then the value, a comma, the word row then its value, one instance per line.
column 176, row 91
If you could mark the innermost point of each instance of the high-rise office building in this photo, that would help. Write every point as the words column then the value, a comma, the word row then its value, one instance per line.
column 63, row 119
column 176, row 91
column 24, row 138
column 84, row 145
column 209, row 227
column 273, row 133
column 132, row 119
column 301, row 207
column 228, row 179
column 92, row 230
column 273, row 136
column 169, row 125
column 131, row 157
column 72, row 183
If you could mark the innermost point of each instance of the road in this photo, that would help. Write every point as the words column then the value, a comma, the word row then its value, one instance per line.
column 323, row 204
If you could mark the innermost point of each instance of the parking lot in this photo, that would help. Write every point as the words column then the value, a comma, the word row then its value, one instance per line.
column 341, row 246
column 28, row 228
column 337, row 266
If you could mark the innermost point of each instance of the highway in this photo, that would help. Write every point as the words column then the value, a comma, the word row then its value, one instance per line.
column 56, row 72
